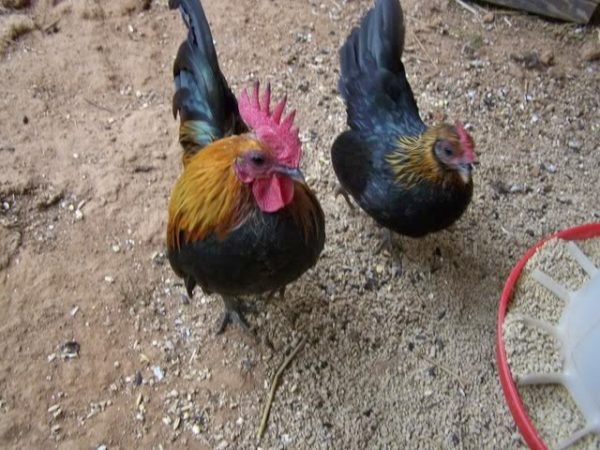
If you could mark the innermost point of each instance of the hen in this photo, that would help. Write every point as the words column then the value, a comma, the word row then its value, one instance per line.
column 411, row 178
column 242, row 220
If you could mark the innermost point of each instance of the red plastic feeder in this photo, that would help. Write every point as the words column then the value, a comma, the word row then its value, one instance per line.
column 519, row 413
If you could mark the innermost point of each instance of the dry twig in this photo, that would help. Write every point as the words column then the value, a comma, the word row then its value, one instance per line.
column 427, row 55
column 274, row 383
column 51, row 25
column 93, row 103
column 468, row 7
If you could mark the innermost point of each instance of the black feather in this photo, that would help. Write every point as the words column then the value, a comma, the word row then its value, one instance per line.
column 202, row 97
column 379, row 100
column 266, row 253
column 352, row 162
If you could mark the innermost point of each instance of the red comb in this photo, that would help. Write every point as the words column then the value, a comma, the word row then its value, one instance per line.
column 280, row 135
column 466, row 142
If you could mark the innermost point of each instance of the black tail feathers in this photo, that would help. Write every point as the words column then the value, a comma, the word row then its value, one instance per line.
column 377, row 43
column 199, row 31
column 373, row 80
column 206, row 106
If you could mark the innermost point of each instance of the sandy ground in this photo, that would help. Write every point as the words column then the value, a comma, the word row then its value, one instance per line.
column 399, row 353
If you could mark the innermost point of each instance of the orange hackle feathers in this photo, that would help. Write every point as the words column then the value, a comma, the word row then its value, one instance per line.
column 414, row 161
column 209, row 197
column 188, row 132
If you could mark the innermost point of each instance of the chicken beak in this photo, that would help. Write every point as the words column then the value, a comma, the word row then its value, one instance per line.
column 293, row 173
column 467, row 167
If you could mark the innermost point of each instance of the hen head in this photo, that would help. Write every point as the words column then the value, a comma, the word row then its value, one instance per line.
column 454, row 149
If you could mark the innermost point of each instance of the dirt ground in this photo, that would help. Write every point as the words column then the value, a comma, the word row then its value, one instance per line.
column 399, row 353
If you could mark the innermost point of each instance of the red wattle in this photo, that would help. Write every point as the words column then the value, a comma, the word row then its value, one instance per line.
column 273, row 193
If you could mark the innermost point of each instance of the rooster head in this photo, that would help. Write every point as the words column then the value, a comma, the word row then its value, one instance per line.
column 270, row 162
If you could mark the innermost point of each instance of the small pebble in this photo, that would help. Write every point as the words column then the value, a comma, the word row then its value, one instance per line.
column 591, row 52
column 547, row 58
column 54, row 408
column 574, row 144
column 489, row 17
column 158, row 373
column 70, row 350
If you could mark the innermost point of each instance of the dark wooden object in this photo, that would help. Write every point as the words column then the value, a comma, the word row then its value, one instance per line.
column 579, row 11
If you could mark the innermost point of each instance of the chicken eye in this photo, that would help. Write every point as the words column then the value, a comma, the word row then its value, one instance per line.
column 257, row 160
column 444, row 149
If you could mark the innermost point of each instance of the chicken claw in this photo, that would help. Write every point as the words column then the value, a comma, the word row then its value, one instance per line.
column 281, row 291
column 339, row 190
column 234, row 313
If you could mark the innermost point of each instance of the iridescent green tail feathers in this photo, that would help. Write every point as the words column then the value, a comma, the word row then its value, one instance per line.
column 206, row 106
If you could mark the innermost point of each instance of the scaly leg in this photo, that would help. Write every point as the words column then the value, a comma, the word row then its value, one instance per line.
column 387, row 242
column 272, row 294
column 190, row 284
column 339, row 190
column 234, row 312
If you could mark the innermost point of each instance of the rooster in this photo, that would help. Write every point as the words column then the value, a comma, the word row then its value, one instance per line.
column 411, row 178
column 242, row 220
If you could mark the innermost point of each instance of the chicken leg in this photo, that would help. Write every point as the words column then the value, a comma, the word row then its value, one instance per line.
column 339, row 190
column 234, row 313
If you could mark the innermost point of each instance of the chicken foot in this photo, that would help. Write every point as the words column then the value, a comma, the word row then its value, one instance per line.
column 281, row 291
column 339, row 190
column 388, row 242
column 234, row 313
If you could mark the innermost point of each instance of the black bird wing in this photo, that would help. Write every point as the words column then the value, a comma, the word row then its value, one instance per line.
column 207, row 108
column 379, row 101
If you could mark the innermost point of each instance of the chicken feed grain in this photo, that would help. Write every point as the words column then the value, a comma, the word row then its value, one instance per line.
column 530, row 350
